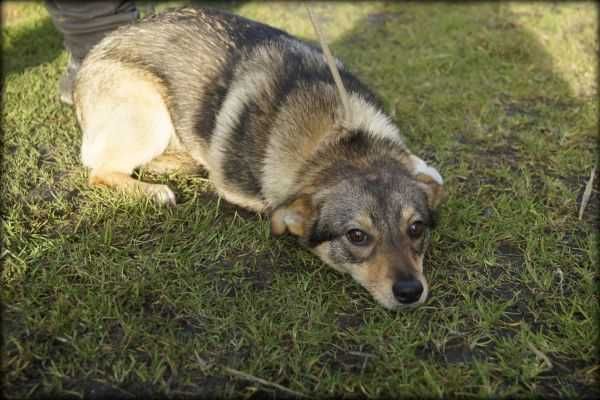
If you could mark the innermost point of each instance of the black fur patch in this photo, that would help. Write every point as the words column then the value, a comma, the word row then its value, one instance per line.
column 242, row 161
column 434, row 218
column 247, row 35
column 210, row 103
column 356, row 142
column 299, row 73
column 320, row 233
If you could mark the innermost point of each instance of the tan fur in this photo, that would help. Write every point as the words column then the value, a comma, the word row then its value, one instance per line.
column 408, row 213
column 292, row 218
column 237, row 198
column 435, row 192
column 322, row 251
column 124, row 127
column 377, row 277
column 285, row 157
column 124, row 182
column 173, row 162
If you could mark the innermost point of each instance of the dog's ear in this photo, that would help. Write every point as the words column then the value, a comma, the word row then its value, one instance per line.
column 433, row 189
column 292, row 217
column 430, row 180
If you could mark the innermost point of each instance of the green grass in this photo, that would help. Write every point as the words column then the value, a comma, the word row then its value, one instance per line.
column 104, row 295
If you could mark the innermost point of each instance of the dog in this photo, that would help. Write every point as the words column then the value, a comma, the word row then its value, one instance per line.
column 259, row 110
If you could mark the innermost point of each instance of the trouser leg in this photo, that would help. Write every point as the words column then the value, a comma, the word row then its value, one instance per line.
column 83, row 25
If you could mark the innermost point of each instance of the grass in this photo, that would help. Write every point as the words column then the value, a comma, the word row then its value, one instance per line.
column 106, row 296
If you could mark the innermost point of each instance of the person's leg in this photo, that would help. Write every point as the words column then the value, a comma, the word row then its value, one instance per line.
column 83, row 24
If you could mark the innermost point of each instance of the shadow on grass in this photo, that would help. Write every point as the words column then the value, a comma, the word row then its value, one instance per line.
column 465, row 84
column 32, row 46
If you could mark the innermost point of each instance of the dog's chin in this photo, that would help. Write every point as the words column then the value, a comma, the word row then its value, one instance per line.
column 394, row 305
column 388, row 301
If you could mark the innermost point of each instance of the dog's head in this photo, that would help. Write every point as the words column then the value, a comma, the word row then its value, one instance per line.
column 373, row 223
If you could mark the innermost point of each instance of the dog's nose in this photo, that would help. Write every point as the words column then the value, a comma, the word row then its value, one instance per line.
column 407, row 291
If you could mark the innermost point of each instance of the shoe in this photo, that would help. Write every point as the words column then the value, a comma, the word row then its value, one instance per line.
column 66, row 82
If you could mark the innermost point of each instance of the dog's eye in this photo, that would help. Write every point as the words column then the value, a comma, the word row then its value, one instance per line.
column 357, row 237
column 416, row 229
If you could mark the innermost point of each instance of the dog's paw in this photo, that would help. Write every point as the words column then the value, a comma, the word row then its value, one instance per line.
column 162, row 194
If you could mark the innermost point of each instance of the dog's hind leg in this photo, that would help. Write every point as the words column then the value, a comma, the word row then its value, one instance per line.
column 173, row 162
column 160, row 193
column 124, row 127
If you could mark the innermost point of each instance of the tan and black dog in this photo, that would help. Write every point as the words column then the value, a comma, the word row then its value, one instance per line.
column 258, row 109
